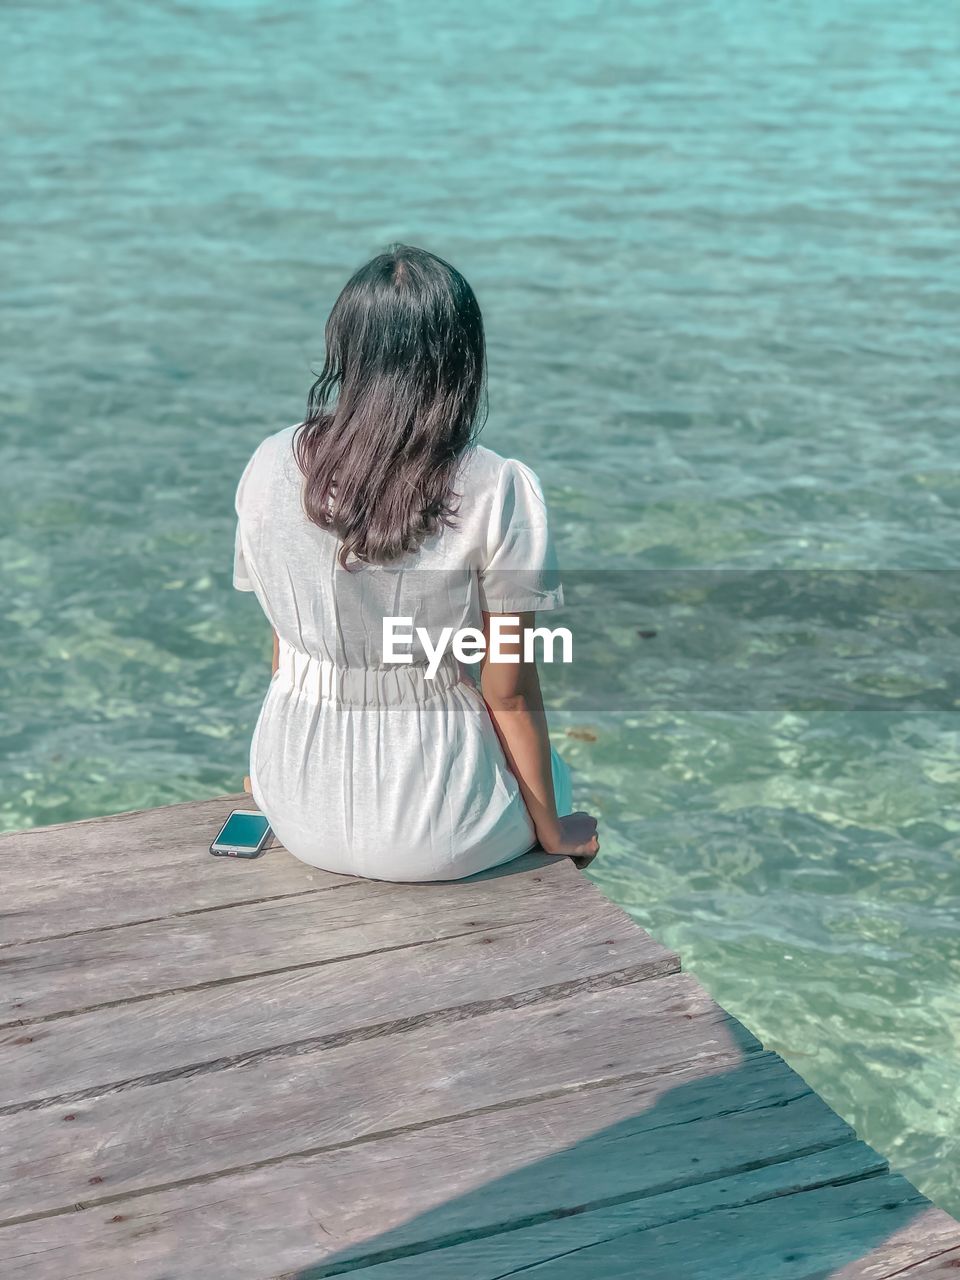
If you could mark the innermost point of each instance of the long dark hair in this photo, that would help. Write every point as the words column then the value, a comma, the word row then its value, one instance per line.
column 405, row 354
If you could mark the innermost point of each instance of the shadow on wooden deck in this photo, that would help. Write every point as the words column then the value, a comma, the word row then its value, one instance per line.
column 738, row 1175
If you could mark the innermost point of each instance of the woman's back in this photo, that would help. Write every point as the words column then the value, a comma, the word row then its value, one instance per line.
column 363, row 765
column 497, row 556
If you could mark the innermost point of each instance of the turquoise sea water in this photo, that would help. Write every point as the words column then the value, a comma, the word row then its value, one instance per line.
column 716, row 248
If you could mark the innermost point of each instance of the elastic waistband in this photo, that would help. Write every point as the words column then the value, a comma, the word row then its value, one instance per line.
column 391, row 686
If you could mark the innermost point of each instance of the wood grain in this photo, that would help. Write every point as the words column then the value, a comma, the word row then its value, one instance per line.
column 225, row 1119
column 510, row 1167
column 214, row 1068
column 108, row 872
column 279, row 1015
column 809, row 1218
column 51, row 976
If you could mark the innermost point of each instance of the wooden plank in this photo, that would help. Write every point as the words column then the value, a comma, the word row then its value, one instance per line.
column 647, row 1236
column 135, row 838
column 48, row 977
column 217, row 1068
column 195, row 1128
column 280, row 1014
column 108, row 872
column 148, row 865
column 807, row 1235
column 426, row 1187
column 104, row 899
column 927, row 1248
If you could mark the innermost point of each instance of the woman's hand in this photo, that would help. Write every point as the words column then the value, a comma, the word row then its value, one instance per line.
column 574, row 836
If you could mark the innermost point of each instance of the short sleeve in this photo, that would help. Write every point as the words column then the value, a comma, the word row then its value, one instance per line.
column 241, row 578
column 521, row 573
column 241, row 572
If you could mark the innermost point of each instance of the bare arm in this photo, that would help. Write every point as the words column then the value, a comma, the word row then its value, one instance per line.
column 511, row 691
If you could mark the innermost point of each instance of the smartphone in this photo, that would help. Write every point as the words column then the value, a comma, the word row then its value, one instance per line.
column 243, row 835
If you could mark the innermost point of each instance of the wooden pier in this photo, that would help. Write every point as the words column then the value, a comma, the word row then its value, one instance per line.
column 249, row 1070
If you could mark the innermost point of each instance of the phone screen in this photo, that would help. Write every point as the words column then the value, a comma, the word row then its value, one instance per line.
column 243, row 830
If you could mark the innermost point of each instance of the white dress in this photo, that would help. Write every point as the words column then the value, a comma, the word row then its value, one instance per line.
column 369, row 768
